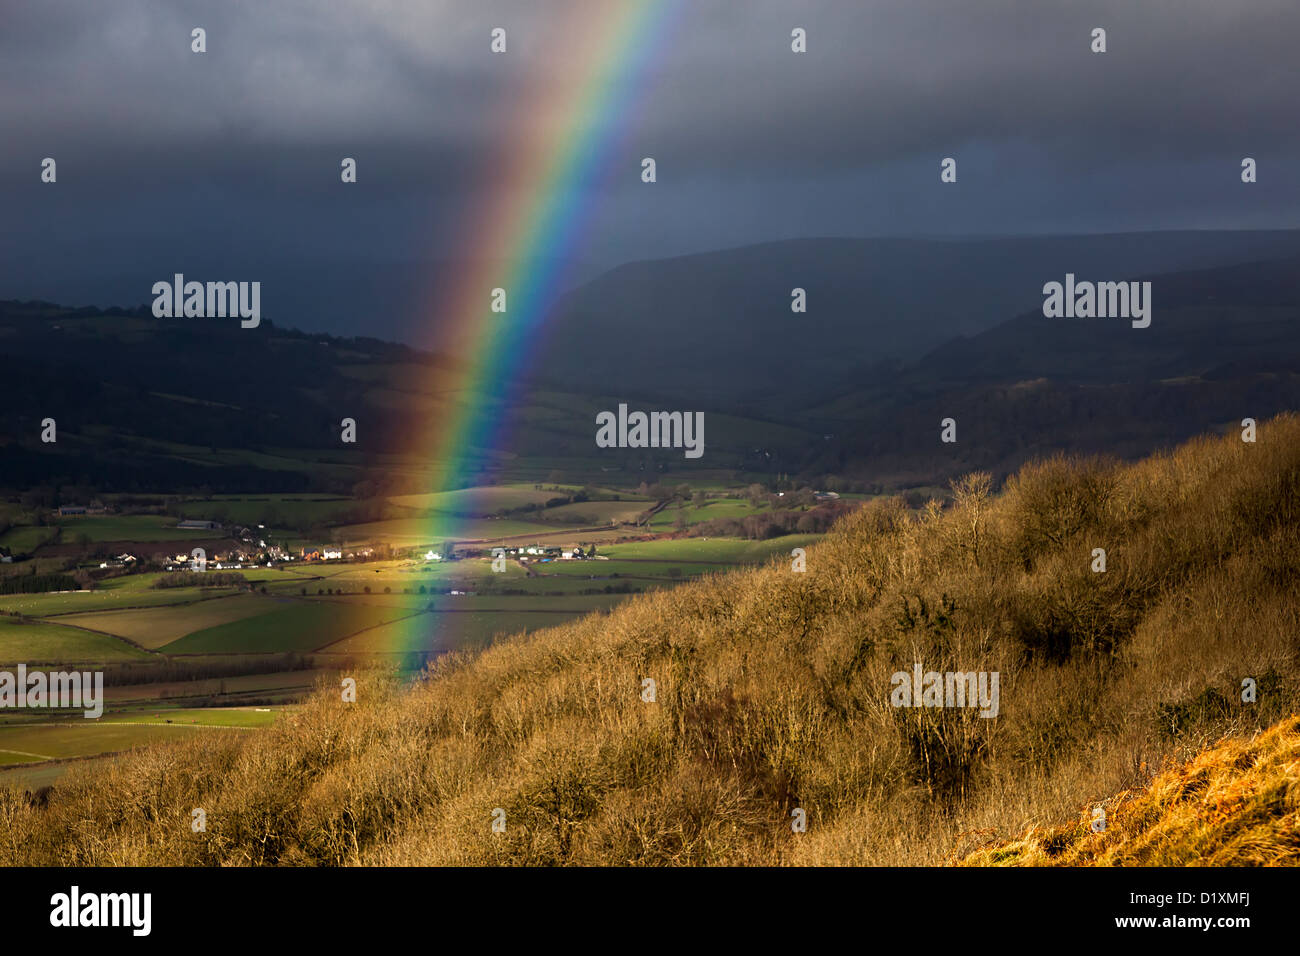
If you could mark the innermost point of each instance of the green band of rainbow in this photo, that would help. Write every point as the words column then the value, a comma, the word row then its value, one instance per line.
column 540, row 201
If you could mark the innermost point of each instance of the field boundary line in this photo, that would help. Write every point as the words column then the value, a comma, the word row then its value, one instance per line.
column 146, row 723
column 25, row 753
column 396, row 620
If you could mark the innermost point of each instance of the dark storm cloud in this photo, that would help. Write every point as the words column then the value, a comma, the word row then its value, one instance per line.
column 161, row 150
column 880, row 80
column 883, row 81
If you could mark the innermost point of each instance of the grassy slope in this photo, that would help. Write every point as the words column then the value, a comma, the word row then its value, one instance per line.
column 1237, row 803
column 773, row 694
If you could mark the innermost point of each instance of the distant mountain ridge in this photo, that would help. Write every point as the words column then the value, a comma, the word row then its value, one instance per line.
column 719, row 327
column 1202, row 319
column 1223, row 344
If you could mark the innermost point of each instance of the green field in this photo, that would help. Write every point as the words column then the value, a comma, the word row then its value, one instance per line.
column 164, row 693
column 34, row 776
column 410, row 532
column 585, row 576
column 127, row 528
column 458, row 621
column 275, row 510
column 39, row 642
column 722, row 551
column 488, row 584
column 483, row 500
column 515, row 603
column 24, row 539
column 58, row 741
column 128, row 591
column 226, row 717
column 155, row 627
column 299, row 626
column 467, row 574
column 449, row 631
column 601, row 572
column 583, row 514
column 715, row 508
column 45, row 605
column 61, row 738
column 127, row 619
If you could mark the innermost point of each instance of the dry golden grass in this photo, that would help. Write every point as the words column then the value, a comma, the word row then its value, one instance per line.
column 1237, row 804
column 773, row 695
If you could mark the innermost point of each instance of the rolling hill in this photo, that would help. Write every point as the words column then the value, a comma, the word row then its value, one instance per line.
column 900, row 335
column 1223, row 345
column 774, row 699
column 717, row 327
column 259, row 410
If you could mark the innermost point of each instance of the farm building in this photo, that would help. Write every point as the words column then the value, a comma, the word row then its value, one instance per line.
column 199, row 526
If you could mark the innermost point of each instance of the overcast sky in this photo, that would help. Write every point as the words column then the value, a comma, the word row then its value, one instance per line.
column 234, row 154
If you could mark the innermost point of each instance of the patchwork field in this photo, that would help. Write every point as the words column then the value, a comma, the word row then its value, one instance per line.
column 37, row 753
column 298, row 626
column 432, row 531
column 274, row 684
column 716, row 508
column 164, row 648
column 105, row 598
column 39, row 642
column 58, row 741
column 153, row 628
column 449, row 622
column 477, row 501
column 399, row 575
column 444, row 631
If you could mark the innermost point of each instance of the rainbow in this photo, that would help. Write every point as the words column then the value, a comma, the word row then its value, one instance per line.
column 540, row 189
